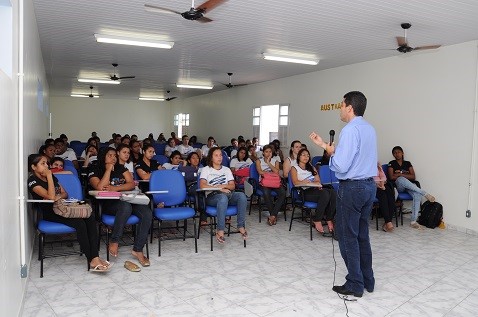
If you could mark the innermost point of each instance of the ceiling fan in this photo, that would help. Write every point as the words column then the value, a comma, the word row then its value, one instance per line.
column 114, row 77
column 90, row 95
column 195, row 14
column 169, row 98
column 402, row 42
column 230, row 85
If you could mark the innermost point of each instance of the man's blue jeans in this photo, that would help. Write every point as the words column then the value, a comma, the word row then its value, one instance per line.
column 354, row 204
column 221, row 201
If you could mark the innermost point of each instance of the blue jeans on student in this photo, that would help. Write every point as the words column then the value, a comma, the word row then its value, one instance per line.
column 221, row 201
column 122, row 210
column 354, row 205
column 416, row 192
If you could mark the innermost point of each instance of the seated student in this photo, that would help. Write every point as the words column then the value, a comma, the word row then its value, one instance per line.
column 135, row 151
column 48, row 150
column 90, row 156
column 206, row 147
column 240, row 166
column 176, row 140
column 252, row 154
column 240, row 143
column 110, row 176
column 146, row 166
column 403, row 174
column 191, row 169
column 277, row 150
column 386, row 198
column 174, row 161
column 42, row 184
column 184, row 148
column 66, row 154
column 49, row 141
column 57, row 166
column 91, row 141
column 170, row 147
column 65, row 139
column 193, row 140
column 234, row 146
column 291, row 161
column 303, row 174
column 161, row 139
column 218, row 176
column 123, row 153
column 125, row 139
column 269, row 164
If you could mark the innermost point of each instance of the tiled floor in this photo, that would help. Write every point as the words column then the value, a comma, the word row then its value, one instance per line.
column 280, row 273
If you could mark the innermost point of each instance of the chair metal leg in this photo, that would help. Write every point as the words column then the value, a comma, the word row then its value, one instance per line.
column 311, row 224
column 210, row 227
column 185, row 227
column 107, row 244
column 41, row 241
column 160, row 230
column 292, row 217
column 195, row 238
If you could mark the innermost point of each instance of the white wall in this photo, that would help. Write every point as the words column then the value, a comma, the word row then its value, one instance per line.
column 78, row 117
column 12, row 286
column 422, row 101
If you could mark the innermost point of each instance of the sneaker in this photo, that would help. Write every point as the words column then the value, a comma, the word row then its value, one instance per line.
column 430, row 198
column 415, row 225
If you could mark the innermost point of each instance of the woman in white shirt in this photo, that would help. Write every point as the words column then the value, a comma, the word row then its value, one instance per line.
column 305, row 174
column 215, row 175
column 170, row 148
column 269, row 164
column 295, row 147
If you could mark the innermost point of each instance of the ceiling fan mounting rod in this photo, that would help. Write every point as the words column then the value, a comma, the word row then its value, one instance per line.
column 192, row 4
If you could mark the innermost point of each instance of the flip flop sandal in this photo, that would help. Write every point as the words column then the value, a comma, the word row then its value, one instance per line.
column 244, row 235
column 99, row 268
column 220, row 239
column 130, row 266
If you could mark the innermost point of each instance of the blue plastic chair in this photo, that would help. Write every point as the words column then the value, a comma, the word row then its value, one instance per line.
column 316, row 159
column 225, row 159
column 174, row 201
column 402, row 196
column 161, row 158
column 159, row 148
column 72, row 186
column 258, row 192
column 78, row 147
column 297, row 198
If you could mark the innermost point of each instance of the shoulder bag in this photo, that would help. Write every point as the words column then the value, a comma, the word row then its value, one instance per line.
column 67, row 209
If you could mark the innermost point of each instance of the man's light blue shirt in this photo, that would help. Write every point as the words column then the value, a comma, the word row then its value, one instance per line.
column 356, row 154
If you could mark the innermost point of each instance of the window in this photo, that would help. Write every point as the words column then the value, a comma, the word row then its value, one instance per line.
column 181, row 120
column 271, row 122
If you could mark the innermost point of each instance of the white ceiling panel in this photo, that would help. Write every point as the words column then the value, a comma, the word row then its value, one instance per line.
column 338, row 32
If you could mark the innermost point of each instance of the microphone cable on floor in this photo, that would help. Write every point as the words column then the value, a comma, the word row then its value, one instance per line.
column 345, row 297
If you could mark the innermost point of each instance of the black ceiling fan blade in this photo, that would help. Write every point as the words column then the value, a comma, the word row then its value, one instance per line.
column 171, row 98
column 204, row 20
column 127, row 77
column 152, row 8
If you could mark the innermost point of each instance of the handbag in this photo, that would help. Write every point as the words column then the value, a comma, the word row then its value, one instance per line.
column 270, row 180
column 240, row 175
column 135, row 198
column 67, row 209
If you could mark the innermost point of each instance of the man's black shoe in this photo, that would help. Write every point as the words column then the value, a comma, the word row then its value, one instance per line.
column 370, row 290
column 342, row 290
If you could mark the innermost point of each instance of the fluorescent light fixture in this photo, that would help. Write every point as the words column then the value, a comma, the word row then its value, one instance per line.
column 83, row 96
column 194, row 86
column 151, row 98
column 132, row 41
column 99, row 81
column 289, row 59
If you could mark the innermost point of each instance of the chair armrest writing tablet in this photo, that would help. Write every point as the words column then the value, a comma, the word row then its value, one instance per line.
column 157, row 192
column 40, row 201
column 208, row 189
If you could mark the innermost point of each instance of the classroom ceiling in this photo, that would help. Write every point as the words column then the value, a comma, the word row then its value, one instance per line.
column 338, row 32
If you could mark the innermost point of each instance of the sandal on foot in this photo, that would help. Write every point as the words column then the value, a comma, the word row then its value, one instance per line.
column 144, row 262
column 270, row 220
column 318, row 227
column 220, row 239
column 244, row 235
column 132, row 267
column 113, row 250
column 99, row 268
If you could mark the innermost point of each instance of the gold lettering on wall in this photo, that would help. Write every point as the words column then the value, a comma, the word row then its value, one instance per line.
column 330, row 106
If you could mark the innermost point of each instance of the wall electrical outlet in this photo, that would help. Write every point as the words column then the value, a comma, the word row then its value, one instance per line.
column 468, row 213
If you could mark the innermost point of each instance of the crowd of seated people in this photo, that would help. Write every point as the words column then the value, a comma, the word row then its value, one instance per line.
column 112, row 166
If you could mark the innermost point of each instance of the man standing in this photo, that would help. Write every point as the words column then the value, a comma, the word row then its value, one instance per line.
column 354, row 162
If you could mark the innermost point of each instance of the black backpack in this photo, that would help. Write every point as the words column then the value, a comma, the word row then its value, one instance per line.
column 431, row 214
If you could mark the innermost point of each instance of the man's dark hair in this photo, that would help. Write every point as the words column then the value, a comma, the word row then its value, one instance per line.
column 58, row 140
column 357, row 100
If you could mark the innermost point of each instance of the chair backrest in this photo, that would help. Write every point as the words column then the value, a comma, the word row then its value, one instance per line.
column 71, row 168
column 71, row 184
column 78, row 147
column 173, row 182
column 197, row 145
column 253, row 173
column 161, row 158
column 294, row 194
column 325, row 174
column 315, row 160
column 385, row 170
column 225, row 159
column 159, row 148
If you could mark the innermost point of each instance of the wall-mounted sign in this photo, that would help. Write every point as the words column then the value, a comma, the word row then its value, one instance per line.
column 330, row 106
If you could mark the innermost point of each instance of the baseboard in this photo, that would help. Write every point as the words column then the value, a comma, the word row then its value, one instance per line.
column 461, row 229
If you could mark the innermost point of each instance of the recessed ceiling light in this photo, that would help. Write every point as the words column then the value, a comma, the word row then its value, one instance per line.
column 151, row 98
column 289, row 59
column 132, row 41
column 194, row 86
column 84, row 96
column 99, row 81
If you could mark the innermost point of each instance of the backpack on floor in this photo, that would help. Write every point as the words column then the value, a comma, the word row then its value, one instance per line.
column 431, row 214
